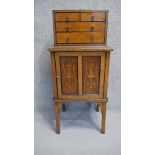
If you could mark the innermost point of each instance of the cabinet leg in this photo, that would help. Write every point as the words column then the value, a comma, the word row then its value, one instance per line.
column 103, row 111
column 63, row 107
column 57, row 115
column 97, row 108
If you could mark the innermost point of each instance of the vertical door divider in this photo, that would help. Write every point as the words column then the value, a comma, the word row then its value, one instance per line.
column 80, row 74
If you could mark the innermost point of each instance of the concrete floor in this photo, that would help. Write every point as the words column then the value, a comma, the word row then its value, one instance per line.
column 80, row 131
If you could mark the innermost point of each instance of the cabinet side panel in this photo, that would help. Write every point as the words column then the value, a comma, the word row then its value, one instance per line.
column 69, row 75
column 54, row 74
column 91, row 74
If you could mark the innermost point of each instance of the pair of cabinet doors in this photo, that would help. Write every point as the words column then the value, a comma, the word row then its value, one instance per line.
column 80, row 74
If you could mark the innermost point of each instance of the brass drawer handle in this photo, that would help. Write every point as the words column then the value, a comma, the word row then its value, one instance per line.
column 67, row 18
column 67, row 28
column 92, row 18
column 92, row 28
column 67, row 40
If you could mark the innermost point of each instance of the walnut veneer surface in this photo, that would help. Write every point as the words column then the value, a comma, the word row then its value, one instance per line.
column 80, row 59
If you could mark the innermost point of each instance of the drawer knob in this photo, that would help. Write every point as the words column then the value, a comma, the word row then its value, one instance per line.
column 67, row 18
column 67, row 28
column 92, row 28
column 67, row 39
column 92, row 18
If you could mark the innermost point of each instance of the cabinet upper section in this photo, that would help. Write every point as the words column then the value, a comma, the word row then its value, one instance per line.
column 80, row 27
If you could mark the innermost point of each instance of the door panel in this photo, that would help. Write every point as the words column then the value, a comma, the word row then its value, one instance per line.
column 91, row 74
column 80, row 74
column 69, row 75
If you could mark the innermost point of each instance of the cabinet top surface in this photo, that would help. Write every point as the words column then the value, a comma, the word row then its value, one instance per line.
column 80, row 10
column 79, row 48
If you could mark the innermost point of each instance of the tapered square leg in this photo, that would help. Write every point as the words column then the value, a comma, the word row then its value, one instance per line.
column 103, row 111
column 57, row 116
column 97, row 108
column 63, row 107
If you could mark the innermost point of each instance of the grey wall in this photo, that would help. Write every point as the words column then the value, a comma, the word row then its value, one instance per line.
column 80, row 125
column 44, row 40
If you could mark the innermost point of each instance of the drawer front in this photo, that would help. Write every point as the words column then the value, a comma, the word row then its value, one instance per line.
column 93, row 16
column 80, row 37
column 67, row 16
column 79, row 26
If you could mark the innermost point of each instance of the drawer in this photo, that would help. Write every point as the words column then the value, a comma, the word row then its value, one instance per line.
column 80, row 26
column 80, row 37
column 67, row 16
column 93, row 16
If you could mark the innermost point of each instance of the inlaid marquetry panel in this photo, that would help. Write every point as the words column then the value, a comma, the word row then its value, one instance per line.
column 69, row 75
column 91, row 74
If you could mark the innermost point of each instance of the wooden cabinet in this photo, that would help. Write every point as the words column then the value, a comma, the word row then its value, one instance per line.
column 80, row 59
column 80, row 27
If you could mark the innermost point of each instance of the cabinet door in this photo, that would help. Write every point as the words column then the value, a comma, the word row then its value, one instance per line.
column 80, row 74
column 91, row 74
